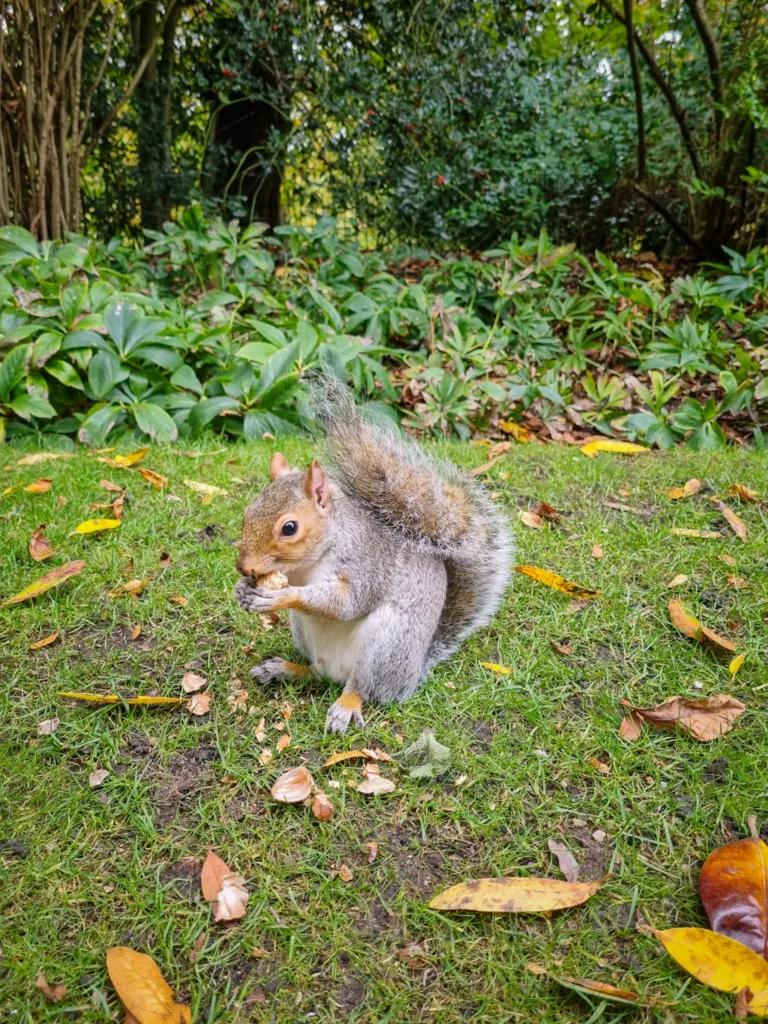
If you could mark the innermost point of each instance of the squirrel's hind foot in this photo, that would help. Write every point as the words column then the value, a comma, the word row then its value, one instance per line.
column 344, row 710
column 272, row 669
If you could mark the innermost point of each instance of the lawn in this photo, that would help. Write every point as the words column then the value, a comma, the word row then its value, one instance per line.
column 88, row 868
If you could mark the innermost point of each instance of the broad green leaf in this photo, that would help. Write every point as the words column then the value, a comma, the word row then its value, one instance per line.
column 13, row 369
column 154, row 421
column 105, row 372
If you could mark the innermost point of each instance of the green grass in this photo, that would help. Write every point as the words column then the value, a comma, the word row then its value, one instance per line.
column 119, row 865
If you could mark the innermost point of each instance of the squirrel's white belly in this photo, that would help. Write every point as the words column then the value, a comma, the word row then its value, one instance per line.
column 332, row 647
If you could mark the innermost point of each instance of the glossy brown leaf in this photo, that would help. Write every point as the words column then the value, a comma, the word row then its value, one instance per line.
column 704, row 719
column 734, row 890
column 39, row 545
column 735, row 523
column 688, row 624
column 214, row 870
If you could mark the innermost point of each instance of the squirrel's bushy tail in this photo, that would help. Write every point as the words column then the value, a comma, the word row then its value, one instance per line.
column 426, row 502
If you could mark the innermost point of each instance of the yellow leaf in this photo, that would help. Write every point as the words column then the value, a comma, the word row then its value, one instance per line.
column 143, row 990
column 96, row 526
column 208, row 491
column 38, row 457
column 514, row 895
column 621, row 447
column 688, row 624
column 154, row 478
column 702, row 534
column 51, row 579
column 493, row 667
column 347, row 755
column 126, row 461
column 113, row 698
column 44, row 642
column 736, row 664
column 521, row 434
column 179, row 600
column 551, row 579
column 744, row 493
column 714, row 959
column 690, row 487
column 678, row 581
column 38, row 487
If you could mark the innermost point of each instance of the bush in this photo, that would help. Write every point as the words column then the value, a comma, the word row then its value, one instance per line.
column 211, row 327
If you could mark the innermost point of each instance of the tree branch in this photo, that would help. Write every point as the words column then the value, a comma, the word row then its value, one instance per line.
column 668, row 216
column 712, row 48
column 637, row 85
column 658, row 76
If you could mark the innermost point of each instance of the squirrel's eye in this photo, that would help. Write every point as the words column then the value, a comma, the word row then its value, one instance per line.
column 289, row 528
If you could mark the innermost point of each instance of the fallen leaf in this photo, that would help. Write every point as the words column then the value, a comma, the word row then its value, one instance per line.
column 705, row 718
column 61, row 501
column 51, row 579
column 733, row 886
column 499, row 448
column 348, row 755
column 48, row 726
column 345, row 873
column 547, row 512
column 690, row 487
column 631, row 727
column 135, row 632
column 701, row 534
column 678, row 581
column 493, row 666
column 378, row 754
column 109, row 486
column 265, row 756
column 213, row 872
column 715, row 960
column 735, row 523
column 428, row 757
column 603, row 990
column 736, row 664
column 577, row 606
column 199, row 704
column 96, row 778
column 376, row 785
column 37, row 457
column 96, row 526
column 208, row 491
column 620, row 447
column 728, row 559
column 478, row 470
column 44, row 642
column 692, row 628
column 563, row 649
column 627, row 508
column 38, row 487
column 551, row 579
column 232, row 900
column 737, row 582
column 132, row 587
column 520, row 433
column 597, row 551
column 293, row 786
column 144, row 992
column 113, row 698
column 126, row 461
column 373, row 850
column 192, row 683
column 530, row 519
column 39, row 545
column 744, row 493
column 535, row 968
column 565, row 859
column 117, row 507
column 53, row 993
column 322, row 808
column 599, row 766
column 182, row 601
column 515, row 895
column 741, row 1003
column 153, row 478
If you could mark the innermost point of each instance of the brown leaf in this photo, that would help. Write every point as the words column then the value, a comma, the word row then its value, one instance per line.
column 732, row 519
column 345, row 873
column 604, row 990
column 741, row 1003
column 733, row 886
column 737, row 582
column 376, row 785
column 48, row 726
column 213, row 872
column 61, row 501
column 373, row 850
column 154, row 478
column 293, row 786
column 182, row 601
column 199, row 704
column 192, row 683
column 694, row 630
column 728, row 559
column 37, row 457
column 135, row 632
column 599, row 766
column 515, row 895
column 565, row 859
column 51, row 579
column 690, row 487
column 530, row 519
column 38, row 486
column 597, row 551
column 744, row 493
column 117, row 508
column 701, row 534
column 44, row 642
column 478, row 470
column 499, row 448
column 142, row 989
column 547, row 512
column 620, row 507
column 705, row 718
column 563, row 649
column 109, row 486
column 322, row 808
column 678, row 581
column 283, row 742
column 53, row 993
column 39, row 545
column 95, row 779
column 631, row 727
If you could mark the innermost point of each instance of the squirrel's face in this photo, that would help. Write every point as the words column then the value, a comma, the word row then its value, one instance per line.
column 285, row 526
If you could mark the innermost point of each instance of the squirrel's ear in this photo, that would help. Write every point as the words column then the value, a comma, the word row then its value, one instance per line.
column 278, row 466
column 316, row 485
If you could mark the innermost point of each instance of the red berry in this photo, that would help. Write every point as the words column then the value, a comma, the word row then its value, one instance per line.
column 440, row 179
column 371, row 111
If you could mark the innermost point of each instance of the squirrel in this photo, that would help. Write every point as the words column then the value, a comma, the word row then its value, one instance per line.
column 392, row 558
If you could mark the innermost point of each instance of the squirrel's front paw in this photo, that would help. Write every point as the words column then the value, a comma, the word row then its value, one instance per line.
column 257, row 599
column 343, row 711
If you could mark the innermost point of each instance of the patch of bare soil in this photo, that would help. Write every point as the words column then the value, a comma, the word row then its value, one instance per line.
column 183, row 877
column 180, row 784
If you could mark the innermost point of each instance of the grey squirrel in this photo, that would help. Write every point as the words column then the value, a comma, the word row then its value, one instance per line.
column 392, row 558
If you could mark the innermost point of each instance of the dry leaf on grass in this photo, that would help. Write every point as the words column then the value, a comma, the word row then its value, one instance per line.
column 126, row 461
column 694, row 630
column 96, row 778
column 283, row 742
column 737, row 582
column 322, row 808
column 132, row 588
column 199, row 703
column 44, row 642
column 265, row 756
column 376, row 785
column 478, row 470
column 117, row 507
column 293, row 787
column 621, row 507
column 221, row 884
column 735, row 523
column 492, row 666
column 53, row 993
column 728, row 559
column 113, row 698
column 603, row 990
column 705, row 718
column 143, row 990
column 154, row 478
column 530, row 519
column 594, row 448
column 37, row 457
column 95, row 526
column 192, row 683
column 373, row 850
column 733, row 886
column 39, row 545
column 678, row 581
column 51, row 579
column 690, row 487
column 109, row 486
column 744, row 493
column 736, row 664
column 565, row 859
column 547, row 512
column 701, row 534
column 48, row 726
column 599, row 766
column 551, row 579
column 515, row 895
column 38, row 487
column 348, row 755
column 597, row 551
column 344, row 872
column 135, row 632
column 208, row 491
column 520, row 433
column 563, row 649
